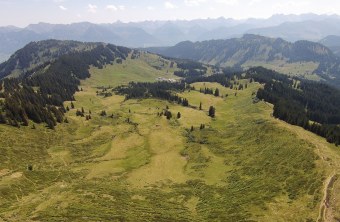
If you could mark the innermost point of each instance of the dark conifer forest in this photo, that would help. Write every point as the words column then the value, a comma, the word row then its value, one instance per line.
column 40, row 96
column 311, row 105
column 160, row 90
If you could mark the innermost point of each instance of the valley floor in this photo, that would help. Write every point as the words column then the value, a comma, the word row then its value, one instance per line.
column 133, row 165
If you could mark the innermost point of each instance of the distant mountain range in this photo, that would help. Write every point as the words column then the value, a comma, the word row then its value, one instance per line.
column 168, row 33
column 303, row 57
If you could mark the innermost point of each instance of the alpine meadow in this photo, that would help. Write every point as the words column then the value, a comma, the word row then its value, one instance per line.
column 157, row 119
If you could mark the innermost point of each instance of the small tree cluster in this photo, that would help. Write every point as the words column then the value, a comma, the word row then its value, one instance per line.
column 103, row 113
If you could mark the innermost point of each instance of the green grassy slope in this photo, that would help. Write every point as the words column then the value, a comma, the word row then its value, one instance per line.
column 244, row 166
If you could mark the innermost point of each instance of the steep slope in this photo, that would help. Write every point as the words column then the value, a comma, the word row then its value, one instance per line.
column 253, row 50
column 40, row 53
column 49, row 73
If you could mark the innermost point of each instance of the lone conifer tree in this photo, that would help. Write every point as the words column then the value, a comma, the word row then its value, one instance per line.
column 217, row 92
column 212, row 111
column 168, row 115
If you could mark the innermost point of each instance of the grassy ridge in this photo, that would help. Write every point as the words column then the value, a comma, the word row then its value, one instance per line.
column 243, row 167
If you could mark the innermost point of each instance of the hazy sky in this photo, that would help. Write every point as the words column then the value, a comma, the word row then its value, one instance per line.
column 23, row 12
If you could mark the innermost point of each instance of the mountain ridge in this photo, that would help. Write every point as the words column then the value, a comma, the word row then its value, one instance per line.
column 252, row 50
column 155, row 33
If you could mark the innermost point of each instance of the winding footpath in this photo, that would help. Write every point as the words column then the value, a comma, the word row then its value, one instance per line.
column 331, row 158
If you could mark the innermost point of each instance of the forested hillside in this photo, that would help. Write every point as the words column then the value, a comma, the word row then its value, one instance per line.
column 302, row 58
column 50, row 73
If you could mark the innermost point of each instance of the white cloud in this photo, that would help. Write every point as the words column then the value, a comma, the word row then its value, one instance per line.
column 62, row 8
column 115, row 8
column 150, row 8
column 228, row 2
column 92, row 8
column 193, row 2
column 59, row 1
column 169, row 5
column 112, row 8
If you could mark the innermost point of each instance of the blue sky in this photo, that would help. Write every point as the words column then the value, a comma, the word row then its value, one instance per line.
column 23, row 12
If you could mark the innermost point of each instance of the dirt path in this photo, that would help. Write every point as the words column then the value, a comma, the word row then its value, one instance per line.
column 331, row 158
column 325, row 204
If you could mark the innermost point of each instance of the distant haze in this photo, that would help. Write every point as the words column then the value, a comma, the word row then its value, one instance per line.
column 23, row 12
column 311, row 27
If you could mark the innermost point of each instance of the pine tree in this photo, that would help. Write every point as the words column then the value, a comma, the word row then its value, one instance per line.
column 50, row 124
column 217, row 92
column 103, row 113
column 192, row 128
column 178, row 115
column 78, row 113
column 200, row 105
column 24, row 122
column 72, row 105
column 168, row 115
column 185, row 102
column 30, row 167
column 212, row 111
column 2, row 119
